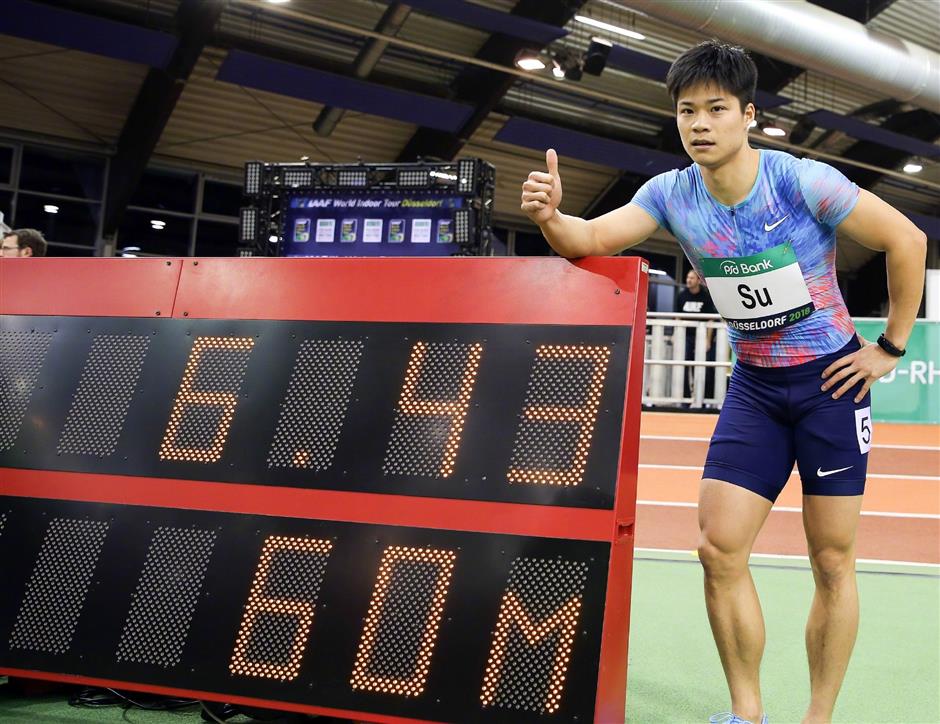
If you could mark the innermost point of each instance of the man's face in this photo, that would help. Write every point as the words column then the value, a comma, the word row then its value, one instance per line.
column 711, row 124
column 11, row 247
column 692, row 282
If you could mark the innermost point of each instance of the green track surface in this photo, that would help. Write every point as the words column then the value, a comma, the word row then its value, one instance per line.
column 674, row 673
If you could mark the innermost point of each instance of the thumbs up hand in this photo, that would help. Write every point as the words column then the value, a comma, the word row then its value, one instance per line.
column 541, row 192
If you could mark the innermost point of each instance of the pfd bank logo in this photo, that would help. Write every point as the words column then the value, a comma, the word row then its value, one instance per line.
column 918, row 372
column 731, row 268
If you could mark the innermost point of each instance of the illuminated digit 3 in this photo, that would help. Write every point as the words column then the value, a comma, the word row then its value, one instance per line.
column 401, row 628
column 271, row 659
column 533, row 443
column 198, row 410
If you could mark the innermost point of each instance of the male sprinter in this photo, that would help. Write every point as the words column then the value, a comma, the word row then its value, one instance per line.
column 760, row 227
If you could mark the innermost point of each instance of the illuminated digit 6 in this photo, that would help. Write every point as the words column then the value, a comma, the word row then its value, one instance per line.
column 198, row 407
column 255, row 656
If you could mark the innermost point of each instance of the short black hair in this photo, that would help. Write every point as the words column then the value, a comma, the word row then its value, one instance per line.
column 727, row 66
column 31, row 238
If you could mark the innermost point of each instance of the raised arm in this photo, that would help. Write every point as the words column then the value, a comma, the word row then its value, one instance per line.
column 572, row 236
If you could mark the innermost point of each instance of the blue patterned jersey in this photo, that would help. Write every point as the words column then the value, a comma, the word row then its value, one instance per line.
column 791, row 211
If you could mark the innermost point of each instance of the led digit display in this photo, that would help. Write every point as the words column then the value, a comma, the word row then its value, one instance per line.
column 561, row 410
column 202, row 414
column 535, row 633
column 427, row 429
column 511, row 413
column 99, row 407
column 424, row 623
column 317, row 401
column 21, row 357
column 163, row 603
column 55, row 595
column 273, row 633
column 404, row 618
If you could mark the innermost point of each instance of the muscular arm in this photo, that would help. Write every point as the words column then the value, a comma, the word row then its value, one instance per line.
column 879, row 226
column 572, row 236
column 615, row 231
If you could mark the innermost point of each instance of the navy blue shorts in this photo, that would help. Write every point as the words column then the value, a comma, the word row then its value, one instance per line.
column 773, row 416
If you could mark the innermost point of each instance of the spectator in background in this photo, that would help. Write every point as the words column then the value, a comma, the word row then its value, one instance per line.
column 24, row 242
column 695, row 299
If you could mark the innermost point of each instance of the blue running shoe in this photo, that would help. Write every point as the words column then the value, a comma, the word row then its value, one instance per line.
column 727, row 717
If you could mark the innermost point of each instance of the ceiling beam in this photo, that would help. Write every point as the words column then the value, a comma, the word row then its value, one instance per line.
column 484, row 87
column 156, row 99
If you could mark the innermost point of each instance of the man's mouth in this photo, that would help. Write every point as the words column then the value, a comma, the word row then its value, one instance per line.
column 701, row 143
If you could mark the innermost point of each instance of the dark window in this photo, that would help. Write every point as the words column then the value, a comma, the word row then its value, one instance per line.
column 6, row 206
column 528, row 244
column 658, row 262
column 166, row 190
column 137, row 230
column 214, row 238
column 60, row 250
column 221, row 198
column 59, row 172
column 6, row 164
column 68, row 222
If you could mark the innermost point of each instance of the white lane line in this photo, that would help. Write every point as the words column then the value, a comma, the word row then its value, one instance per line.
column 699, row 468
column 878, row 561
column 789, row 509
column 687, row 438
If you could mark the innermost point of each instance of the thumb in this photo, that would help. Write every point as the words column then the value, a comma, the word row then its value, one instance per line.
column 551, row 161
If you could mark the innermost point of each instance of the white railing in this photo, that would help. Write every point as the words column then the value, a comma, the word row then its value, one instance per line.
column 666, row 364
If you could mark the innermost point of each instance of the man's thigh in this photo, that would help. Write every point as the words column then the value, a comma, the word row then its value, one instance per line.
column 831, row 522
column 730, row 516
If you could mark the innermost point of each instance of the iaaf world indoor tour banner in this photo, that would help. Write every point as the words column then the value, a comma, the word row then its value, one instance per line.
column 371, row 225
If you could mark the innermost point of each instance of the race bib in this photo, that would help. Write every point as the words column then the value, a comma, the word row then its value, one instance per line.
column 759, row 293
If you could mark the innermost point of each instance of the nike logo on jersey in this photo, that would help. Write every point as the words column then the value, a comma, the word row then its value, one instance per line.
column 824, row 473
column 771, row 227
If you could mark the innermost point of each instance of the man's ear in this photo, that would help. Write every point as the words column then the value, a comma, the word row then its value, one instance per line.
column 27, row 251
column 750, row 112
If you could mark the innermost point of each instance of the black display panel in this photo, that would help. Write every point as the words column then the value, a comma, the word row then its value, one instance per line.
column 423, row 623
column 515, row 413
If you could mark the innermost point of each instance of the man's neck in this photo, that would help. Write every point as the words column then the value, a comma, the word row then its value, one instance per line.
column 731, row 182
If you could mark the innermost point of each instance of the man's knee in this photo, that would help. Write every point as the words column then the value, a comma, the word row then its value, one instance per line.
column 720, row 560
column 833, row 567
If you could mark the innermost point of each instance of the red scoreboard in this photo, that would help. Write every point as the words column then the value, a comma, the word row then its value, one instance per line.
column 387, row 489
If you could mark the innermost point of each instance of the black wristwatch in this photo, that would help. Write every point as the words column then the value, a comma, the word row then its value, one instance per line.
column 890, row 348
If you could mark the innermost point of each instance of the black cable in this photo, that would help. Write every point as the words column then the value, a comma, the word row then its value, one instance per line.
column 94, row 697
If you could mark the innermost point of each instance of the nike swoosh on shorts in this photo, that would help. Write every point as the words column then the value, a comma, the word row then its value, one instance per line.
column 823, row 473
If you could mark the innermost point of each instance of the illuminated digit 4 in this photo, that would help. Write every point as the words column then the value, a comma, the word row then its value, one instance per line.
column 191, row 404
column 417, row 450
